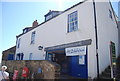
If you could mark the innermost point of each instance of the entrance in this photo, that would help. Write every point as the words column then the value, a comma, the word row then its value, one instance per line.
column 70, row 65
column 77, row 65
column 61, row 59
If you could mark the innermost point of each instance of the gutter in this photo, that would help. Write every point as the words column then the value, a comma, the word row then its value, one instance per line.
column 96, row 37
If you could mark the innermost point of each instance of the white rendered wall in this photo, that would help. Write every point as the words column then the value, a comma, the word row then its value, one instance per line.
column 54, row 32
column 107, row 31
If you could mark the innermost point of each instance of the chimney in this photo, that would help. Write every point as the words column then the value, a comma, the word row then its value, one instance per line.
column 35, row 23
column 50, row 10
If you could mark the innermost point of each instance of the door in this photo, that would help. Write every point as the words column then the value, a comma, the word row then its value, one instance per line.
column 79, row 66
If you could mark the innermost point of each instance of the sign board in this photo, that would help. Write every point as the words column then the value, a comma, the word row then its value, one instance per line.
column 113, row 52
column 73, row 51
column 82, row 59
column 39, row 70
column 113, row 59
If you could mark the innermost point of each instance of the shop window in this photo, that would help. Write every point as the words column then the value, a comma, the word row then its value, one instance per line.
column 73, row 22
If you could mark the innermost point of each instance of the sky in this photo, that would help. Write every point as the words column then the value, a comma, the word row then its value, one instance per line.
column 16, row 15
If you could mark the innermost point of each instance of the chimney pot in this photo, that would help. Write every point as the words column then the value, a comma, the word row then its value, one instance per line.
column 35, row 23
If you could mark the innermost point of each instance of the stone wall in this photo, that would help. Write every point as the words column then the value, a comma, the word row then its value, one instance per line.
column 49, row 69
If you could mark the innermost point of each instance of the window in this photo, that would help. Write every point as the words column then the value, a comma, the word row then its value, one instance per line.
column 49, row 17
column 30, row 56
column 110, row 14
column 18, row 42
column 19, row 56
column 33, row 38
column 50, row 57
column 72, row 22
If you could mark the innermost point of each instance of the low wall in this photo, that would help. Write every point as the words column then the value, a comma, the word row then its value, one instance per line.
column 49, row 70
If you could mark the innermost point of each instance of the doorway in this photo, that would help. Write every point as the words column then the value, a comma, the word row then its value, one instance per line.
column 70, row 65
column 61, row 59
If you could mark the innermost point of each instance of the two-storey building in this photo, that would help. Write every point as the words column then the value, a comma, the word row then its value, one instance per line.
column 78, row 39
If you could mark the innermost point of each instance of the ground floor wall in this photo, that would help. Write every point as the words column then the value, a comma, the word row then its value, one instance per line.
column 103, row 52
column 38, row 69
column 87, row 70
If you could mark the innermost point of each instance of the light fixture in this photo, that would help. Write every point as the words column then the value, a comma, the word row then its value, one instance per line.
column 40, row 47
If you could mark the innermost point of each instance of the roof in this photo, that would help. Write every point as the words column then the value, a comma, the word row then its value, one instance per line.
column 67, row 10
column 30, row 28
column 51, row 12
column 64, row 11
column 9, row 49
column 56, row 15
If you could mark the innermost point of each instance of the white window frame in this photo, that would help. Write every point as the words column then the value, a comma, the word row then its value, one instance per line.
column 73, row 21
column 18, row 42
column 33, row 37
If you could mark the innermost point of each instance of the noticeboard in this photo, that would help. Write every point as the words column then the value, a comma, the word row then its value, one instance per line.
column 82, row 60
column 113, row 53
column 113, row 59
column 39, row 70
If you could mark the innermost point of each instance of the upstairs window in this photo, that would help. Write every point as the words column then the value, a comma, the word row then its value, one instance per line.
column 73, row 21
column 110, row 13
column 33, row 38
column 18, row 43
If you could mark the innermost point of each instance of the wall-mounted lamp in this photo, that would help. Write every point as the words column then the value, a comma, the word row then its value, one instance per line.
column 40, row 47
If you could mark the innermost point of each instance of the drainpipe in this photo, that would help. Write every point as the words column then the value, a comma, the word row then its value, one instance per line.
column 96, row 36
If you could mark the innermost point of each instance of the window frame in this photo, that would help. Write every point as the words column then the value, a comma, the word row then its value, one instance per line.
column 33, row 37
column 72, row 19
column 18, row 42
column 30, row 56
column 110, row 14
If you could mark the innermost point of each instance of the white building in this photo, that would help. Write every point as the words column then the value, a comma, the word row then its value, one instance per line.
column 86, row 26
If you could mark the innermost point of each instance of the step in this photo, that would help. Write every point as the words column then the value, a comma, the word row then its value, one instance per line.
column 106, row 75
column 108, row 70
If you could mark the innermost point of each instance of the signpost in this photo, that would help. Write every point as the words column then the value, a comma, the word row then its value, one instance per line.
column 113, row 60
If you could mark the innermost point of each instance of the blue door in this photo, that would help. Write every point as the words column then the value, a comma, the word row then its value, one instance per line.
column 78, row 70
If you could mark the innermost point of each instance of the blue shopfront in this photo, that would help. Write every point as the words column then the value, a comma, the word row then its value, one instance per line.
column 72, row 58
